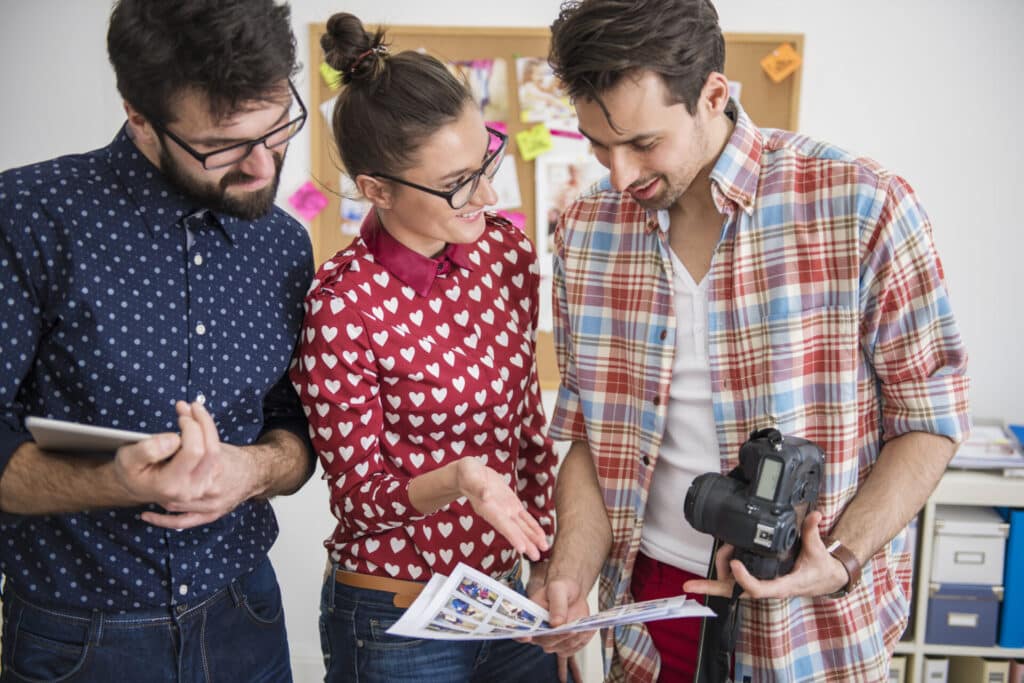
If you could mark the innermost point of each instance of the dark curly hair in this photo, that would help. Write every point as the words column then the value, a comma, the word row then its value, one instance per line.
column 232, row 51
column 594, row 43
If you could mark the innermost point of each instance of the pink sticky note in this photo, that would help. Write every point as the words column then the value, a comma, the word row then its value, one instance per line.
column 516, row 218
column 308, row 201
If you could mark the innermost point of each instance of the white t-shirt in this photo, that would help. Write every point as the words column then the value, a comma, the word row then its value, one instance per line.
column 690, row 445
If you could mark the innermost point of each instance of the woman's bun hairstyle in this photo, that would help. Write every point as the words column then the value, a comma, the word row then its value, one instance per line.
column 350, row 50
column 389, row 103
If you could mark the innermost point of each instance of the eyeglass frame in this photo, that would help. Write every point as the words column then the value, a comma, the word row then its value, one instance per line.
column 473, row 177
column 201, row 157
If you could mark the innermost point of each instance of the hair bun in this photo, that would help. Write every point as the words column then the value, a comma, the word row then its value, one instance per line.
column 350, row 50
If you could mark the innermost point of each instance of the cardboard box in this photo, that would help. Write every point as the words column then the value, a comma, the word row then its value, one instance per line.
column 970, row 544
column 978, row 670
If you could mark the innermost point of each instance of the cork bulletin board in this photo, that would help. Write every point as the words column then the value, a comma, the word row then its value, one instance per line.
column 770, row 104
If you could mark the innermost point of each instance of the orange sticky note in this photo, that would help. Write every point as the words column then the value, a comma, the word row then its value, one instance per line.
column 781, row 62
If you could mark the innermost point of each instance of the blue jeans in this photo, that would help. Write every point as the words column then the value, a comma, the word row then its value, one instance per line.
column 237, row 634
column 356, row 648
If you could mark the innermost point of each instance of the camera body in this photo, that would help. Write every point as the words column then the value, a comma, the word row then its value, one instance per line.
column 759, row 507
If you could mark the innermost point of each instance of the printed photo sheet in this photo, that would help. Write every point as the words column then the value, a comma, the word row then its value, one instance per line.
column 469, row 605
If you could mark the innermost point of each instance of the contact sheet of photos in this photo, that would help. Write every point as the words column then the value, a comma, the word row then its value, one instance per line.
column 469, row 605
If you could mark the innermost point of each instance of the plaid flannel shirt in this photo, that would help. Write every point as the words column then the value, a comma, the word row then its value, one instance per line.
column 828, row 319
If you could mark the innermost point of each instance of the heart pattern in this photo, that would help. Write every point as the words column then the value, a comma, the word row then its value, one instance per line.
column 396, row 384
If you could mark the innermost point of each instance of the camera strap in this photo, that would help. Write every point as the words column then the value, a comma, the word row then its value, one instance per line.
column 731, row 624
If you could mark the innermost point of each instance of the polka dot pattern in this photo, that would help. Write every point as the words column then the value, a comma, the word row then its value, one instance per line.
column 121, row 297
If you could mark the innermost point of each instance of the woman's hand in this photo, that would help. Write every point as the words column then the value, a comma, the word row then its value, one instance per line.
column 494, row 500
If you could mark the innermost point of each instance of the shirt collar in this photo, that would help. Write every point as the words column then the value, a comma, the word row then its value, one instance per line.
column 160, row 203
column 737, row 172
column 413, row 269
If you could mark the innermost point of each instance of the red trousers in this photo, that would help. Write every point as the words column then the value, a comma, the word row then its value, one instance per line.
column 677, row 640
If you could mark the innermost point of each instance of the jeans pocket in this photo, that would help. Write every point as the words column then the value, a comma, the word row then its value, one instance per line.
column 42, row 654
column 262, row 596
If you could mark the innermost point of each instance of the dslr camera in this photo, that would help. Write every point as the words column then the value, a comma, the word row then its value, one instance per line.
column 760, row 506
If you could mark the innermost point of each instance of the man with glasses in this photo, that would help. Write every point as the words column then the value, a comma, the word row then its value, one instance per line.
column 153, row 286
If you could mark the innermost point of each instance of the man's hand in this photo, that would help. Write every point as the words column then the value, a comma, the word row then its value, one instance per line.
column 815, row 572
column 565, row 601
column 193, row 475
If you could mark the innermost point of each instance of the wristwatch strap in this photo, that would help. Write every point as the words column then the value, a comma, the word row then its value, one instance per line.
column 839, row 551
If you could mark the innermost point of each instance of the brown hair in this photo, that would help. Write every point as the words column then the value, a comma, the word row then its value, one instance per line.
column 594, row 43
column 390, row 103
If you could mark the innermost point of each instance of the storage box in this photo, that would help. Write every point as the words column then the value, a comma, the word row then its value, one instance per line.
column 936, row 670
column 963, row 614
column 968, row 669
column 898, row 669
column 1011, row 620
column 970, row 544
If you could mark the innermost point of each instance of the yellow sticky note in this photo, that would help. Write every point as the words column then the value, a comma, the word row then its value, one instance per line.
column 331, row 77
column 534, row 141
column 781, row 62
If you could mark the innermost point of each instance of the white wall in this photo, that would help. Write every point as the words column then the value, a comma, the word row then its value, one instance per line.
column 928, row 87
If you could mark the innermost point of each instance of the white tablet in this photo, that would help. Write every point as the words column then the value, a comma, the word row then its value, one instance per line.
column 61, row 436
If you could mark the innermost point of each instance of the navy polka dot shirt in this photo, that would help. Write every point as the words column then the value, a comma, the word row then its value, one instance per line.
column 120, row 296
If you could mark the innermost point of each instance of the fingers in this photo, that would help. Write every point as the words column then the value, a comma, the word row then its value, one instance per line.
column 563, row 669
column 192, row 443
column 211, row 439
column 185, row 520
column 574, row 669
column 149, row 451
column 533, row 535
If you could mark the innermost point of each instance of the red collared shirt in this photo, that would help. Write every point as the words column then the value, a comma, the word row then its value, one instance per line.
column 408, row 363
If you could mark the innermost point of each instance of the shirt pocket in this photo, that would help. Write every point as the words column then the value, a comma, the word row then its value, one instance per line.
column 809, row 365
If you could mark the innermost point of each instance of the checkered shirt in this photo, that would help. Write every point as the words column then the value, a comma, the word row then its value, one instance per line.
column 828, row 318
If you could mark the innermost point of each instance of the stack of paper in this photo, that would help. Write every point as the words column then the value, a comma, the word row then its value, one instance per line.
column 469, row 605
column 988, row 447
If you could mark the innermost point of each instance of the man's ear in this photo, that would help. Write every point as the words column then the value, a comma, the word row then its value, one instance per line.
column 715, row 93
column 375, row 190
column 142, row 130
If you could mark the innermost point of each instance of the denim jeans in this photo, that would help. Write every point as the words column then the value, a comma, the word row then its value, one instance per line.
column 356, row 648
column 237, row 634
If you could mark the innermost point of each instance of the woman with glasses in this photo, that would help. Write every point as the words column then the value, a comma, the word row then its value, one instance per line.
column 417, row 372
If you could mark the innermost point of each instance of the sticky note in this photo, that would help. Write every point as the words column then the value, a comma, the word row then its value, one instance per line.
column 516, row 218
column 331, row 77
column 781, row 62
column 308, row 201
column 534, row 141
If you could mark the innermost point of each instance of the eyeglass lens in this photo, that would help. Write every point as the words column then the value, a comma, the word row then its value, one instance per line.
column 490, row 169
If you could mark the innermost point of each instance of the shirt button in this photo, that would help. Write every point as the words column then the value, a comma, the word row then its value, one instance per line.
column 182, row 589
column 200, row 329
column 198, row 259
column 657, row 400
column 646, row 461
column 201, row 400
column 664, row 333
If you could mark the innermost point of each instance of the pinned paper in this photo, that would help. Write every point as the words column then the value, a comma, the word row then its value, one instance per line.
column 308, row 201
column 331, row 77
column 516, row 218
column 534, row 141
column 782, row 62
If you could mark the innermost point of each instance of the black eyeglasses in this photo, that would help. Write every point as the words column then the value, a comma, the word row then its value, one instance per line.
column 459, row 196
column 233, row 154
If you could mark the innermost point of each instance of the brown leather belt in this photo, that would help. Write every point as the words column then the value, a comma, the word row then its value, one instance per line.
column 405, row 592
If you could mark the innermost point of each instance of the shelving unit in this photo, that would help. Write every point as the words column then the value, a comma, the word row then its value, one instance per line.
column 956, row 488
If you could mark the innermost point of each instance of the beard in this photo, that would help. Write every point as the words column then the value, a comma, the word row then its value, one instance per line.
column 214, row 195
